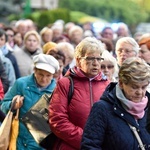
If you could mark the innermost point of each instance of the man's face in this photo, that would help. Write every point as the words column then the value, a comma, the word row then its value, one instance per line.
column 108, row 34
column 2, row 40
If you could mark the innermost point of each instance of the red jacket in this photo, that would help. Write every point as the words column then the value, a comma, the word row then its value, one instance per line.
column 67, row 121
column 1, row 90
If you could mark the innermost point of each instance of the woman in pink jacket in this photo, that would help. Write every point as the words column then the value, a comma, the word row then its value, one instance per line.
column 2, row 115
column 68, row 120
column 1, row 90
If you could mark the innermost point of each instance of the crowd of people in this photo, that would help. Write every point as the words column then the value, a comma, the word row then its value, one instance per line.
column 111, row 76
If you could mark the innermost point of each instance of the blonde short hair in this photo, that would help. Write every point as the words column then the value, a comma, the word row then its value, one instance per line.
column 35, row 33
column 46, row 30
column 134, row 70
column 89, row 44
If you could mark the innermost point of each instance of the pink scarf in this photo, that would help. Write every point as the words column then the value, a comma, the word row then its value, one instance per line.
column 135, row 109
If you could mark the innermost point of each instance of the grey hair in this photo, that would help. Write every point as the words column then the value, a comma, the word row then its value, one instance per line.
column 74, row 29
column 90, row 45
column 108, row 57
column 129, row 40
column 134, row 70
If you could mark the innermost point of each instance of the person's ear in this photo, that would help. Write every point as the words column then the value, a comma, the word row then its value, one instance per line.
column 78, row 62
column 120, row 84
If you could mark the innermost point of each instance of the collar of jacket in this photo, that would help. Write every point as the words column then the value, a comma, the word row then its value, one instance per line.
column 37, row 51
column 77, row 73
column 110, row 96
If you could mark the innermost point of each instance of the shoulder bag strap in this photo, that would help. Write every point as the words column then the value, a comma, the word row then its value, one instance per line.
column 71, row 89
column 137, row 137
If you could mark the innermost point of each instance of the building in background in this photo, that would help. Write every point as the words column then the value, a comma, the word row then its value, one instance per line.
column 44, row 4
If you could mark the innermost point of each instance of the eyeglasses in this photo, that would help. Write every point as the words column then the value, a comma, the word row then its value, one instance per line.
column 126, row 51
column 109, row 66
column 91, row 59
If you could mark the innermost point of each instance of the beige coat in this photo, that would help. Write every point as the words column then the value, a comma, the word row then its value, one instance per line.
column 24, row 60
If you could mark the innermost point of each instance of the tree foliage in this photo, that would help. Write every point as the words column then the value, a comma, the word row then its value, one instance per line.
column 112, row 10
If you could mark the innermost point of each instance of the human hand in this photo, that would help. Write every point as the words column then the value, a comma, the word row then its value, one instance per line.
column 18, row 101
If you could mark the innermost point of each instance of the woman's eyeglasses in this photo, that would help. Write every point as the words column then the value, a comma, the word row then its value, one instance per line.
column 108, row 66
column 92, row 59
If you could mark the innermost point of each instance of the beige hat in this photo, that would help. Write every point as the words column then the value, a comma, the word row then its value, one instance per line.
column 46, row 62
column 48, row 46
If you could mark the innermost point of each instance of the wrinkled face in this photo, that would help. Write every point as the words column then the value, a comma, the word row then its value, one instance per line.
column 2, row 40
column 107, row 68
column 18, row 38
column 47, row 37
column 61, row 65
column 10, row 35
column 124, row 51
column 90, row 64
column 122, row 31
column 31, row 43
column 22, row 28
column 134, row 91
column 144, row 53
column 43, row 78
column 76, row 37
column 108, row 33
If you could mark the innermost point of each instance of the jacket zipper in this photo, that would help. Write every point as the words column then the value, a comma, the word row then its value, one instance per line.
column 91, row 96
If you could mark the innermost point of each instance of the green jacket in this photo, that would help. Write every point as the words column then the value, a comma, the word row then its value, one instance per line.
column 26, row 86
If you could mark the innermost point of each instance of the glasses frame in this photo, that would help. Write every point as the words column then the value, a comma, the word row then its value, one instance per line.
column 91, row 59
column 107, row 66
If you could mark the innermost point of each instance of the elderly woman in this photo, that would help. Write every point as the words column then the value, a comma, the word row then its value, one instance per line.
column 126, row 47
column 144, row 44
column 67, row 121
column 121, row 108
column 59, row 55
column 109, row 66
column 25, row 55
column 31, row 88
column 144, row 53
column 46, row 35
column 75, row 35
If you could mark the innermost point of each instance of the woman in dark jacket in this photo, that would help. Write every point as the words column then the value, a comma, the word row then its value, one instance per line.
column 121, row 106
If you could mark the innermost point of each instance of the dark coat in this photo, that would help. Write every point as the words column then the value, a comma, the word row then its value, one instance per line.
column 14, row 63
column 148, row 114
column 2, row 116
column 107, row 126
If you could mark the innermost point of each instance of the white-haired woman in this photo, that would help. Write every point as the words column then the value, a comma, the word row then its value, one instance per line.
column 109, row 66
